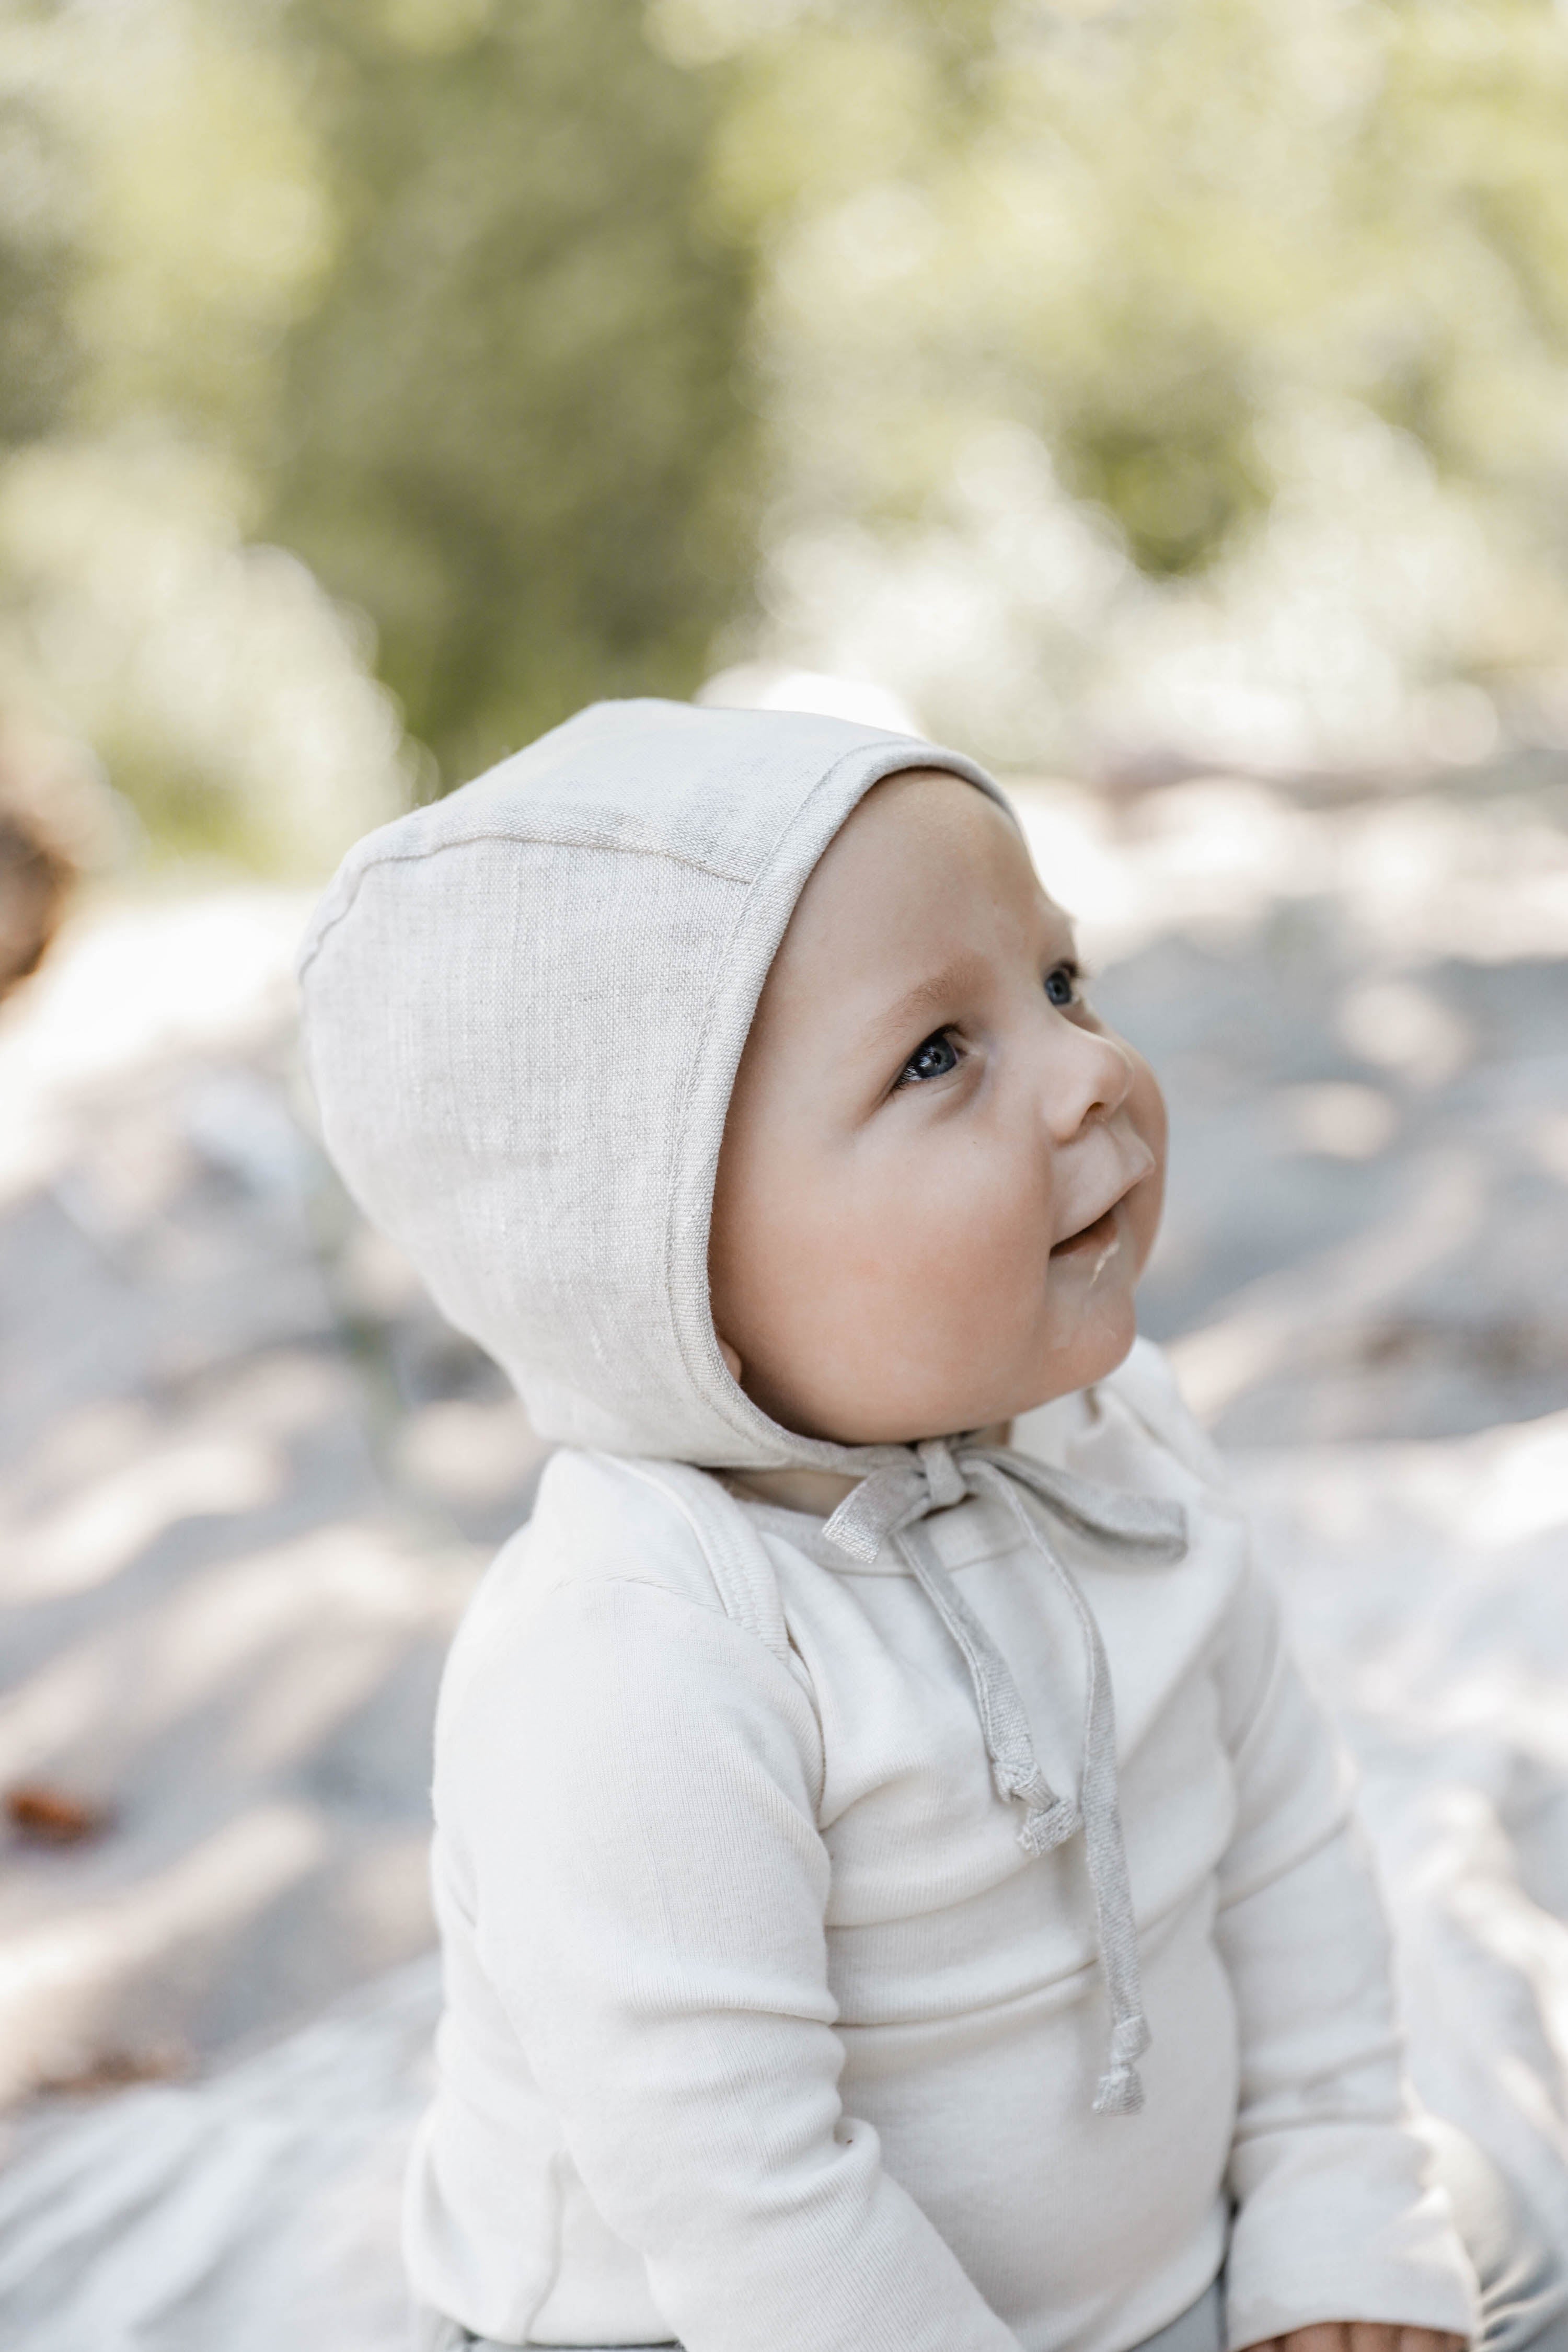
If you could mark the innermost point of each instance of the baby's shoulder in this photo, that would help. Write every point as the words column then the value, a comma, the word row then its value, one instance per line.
column 663, row 1523
column 603, row 1520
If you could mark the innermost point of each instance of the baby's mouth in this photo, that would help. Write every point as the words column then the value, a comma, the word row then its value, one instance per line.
column 1100, row 1235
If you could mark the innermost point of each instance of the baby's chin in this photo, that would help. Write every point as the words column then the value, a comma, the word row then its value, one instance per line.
column 1081, row 1342
column 989, row 1410
column 1101, row 1342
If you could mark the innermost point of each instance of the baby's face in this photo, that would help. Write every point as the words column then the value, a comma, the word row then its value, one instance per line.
column 941, row 1173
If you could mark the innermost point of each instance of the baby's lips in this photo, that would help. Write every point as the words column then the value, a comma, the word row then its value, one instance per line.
column 1143, row 1160
column 1135, row 1161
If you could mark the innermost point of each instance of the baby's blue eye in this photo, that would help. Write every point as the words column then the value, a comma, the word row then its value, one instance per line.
column 1061, row 985
column 934, row 1059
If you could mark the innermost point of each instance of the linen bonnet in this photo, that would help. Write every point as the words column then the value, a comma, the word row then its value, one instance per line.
column 524, row 1006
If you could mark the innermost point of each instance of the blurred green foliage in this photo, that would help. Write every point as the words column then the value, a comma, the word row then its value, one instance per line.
column 415, row 289
column 36, row 351
column 535, row 331
column 508, row 428
column 1141, row 231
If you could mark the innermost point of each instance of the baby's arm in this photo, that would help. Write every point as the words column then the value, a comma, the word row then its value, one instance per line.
column 1337, row 2245
column 630, row 1790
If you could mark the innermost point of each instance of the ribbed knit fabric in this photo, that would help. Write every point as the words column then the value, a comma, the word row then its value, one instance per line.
column 765, row 2030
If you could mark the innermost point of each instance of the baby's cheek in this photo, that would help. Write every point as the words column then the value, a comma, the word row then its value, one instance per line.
column 956, row 1246
column 999, row 1279
column 931, row 1250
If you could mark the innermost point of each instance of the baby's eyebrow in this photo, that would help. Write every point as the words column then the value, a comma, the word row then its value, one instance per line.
column 937, row 992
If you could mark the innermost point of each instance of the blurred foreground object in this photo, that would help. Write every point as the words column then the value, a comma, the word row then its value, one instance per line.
column 57, row 821
column 33, row 883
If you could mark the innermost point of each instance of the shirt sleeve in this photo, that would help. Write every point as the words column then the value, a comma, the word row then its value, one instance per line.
column 1333, row 2220
column 636, row 1782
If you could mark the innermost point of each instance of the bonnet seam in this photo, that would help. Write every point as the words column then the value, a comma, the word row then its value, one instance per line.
column 542, row 840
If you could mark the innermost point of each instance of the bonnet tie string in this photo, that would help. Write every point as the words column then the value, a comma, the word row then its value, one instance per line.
column 892, row 1504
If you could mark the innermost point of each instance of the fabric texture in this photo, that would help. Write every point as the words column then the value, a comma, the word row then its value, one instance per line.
column 523, row 1008
column 1522, row 2279
column 779, row 1974
column 764, row 2029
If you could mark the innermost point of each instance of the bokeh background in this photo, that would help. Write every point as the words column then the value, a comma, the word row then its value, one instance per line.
column 1166, row 401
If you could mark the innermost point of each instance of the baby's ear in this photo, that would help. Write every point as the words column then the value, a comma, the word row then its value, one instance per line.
column 731, row 1360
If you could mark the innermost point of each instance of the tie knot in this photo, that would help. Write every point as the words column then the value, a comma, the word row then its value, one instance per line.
column 944, row 1479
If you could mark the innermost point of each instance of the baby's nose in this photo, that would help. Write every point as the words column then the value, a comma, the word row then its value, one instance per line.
column 1089, row 1080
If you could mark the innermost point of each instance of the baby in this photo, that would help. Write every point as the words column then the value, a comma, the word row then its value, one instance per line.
column 896, row 1894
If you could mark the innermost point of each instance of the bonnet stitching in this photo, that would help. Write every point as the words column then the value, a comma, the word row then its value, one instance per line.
column 537, row 840
column 956, row 764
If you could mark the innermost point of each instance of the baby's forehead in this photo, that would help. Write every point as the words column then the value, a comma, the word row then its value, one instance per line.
column 928, row 877
column 923, row 829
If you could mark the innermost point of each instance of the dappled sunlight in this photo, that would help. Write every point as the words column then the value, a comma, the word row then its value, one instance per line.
column 1475, row 1497
column 1283, row 1313
column 1346, row 1121
column 1416, row 878
column 104, row 1484
column 321, row 1629
column 129, row 985
column 1400, row 1026
column 97, row 1535
column 222, row 1610
column 228, row 1725
column 263, row 1654
column 60, row 1977
column 466, row 1450
column 1425, row 1585
column 383, row 1886
column 1518, row 1486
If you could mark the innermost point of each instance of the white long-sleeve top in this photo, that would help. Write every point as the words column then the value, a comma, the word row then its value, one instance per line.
column 762, row 2032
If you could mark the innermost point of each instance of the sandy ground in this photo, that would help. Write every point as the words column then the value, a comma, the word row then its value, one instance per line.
column 248, row 1478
